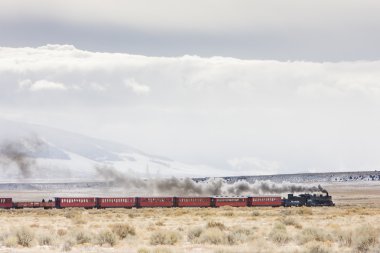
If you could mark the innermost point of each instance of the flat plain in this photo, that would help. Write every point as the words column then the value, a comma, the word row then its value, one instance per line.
column 351, row 226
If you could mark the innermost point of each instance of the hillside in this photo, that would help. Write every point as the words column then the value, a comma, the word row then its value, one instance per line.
column 38, row 152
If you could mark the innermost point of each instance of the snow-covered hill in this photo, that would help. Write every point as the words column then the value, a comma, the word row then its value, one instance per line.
column 59, row 154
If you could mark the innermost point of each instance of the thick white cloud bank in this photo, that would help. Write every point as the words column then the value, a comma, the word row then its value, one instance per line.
column 260, row 117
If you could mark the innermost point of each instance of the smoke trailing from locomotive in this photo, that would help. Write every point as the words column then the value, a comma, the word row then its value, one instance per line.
column 188, row 187
column 159, row 185
column 18, row 155
column 267, row 187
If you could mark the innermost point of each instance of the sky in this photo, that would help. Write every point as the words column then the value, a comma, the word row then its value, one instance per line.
column 323, row 30
column 268, row 86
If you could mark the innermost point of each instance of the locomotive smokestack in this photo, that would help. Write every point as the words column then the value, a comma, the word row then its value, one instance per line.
column 323, row 190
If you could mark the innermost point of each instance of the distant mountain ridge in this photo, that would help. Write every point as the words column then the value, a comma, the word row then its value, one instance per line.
column 352, row 176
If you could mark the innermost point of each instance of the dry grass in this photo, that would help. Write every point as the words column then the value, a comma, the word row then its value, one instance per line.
column 351, row 229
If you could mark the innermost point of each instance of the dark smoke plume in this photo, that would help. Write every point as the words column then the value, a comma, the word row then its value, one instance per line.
column 268, row 187
column 188, row 187
column 159, row 186
column 19, row 155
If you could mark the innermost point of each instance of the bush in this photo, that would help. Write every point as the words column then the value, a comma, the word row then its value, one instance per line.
column 238, row 235
column 123, row 230
column 46, row 239
column 313, row 234
column 345, row 238
column 223, row 250
column 316, row 247
column 290, row 221
column 83, row 237
column 25, row 237
column 4, row 235
column 161, row 250
column 164, row 237
column 216, row 224
column 365, row 238
column 213, row 236
column 194, row 234
column 107, row 236
column 11, row 242
column 279, row 234
column 229, row 214
column 62, row 232
column 304, row 211
column 160, row 223
column 67, row 245
column 75, row 216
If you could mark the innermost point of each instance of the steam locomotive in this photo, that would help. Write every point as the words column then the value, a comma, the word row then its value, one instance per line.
column 308, row 200
column 141, row 202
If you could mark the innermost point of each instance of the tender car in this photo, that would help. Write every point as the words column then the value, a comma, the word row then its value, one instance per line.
column 265, row 201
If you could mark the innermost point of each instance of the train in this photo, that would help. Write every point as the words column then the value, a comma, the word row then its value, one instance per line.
column 151, row 202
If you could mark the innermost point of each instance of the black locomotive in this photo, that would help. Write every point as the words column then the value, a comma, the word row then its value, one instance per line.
column 308, row 200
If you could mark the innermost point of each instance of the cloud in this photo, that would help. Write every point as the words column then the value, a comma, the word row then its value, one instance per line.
column 304, row 115
column 136, row 87
column 63, row 67
column 41, row 85
column 254, row 166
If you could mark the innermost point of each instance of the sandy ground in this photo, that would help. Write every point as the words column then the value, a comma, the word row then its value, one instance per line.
column 352, row 226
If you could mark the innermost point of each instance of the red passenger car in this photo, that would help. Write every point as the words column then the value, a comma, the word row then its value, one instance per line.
column 116, row 202
column 229, row 201
column 6, row 203
column 265, row 201
column 155, row 202
column 192, row 202
column 75, row 202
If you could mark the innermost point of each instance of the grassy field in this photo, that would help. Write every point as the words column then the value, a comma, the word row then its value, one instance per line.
column 352, row 226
